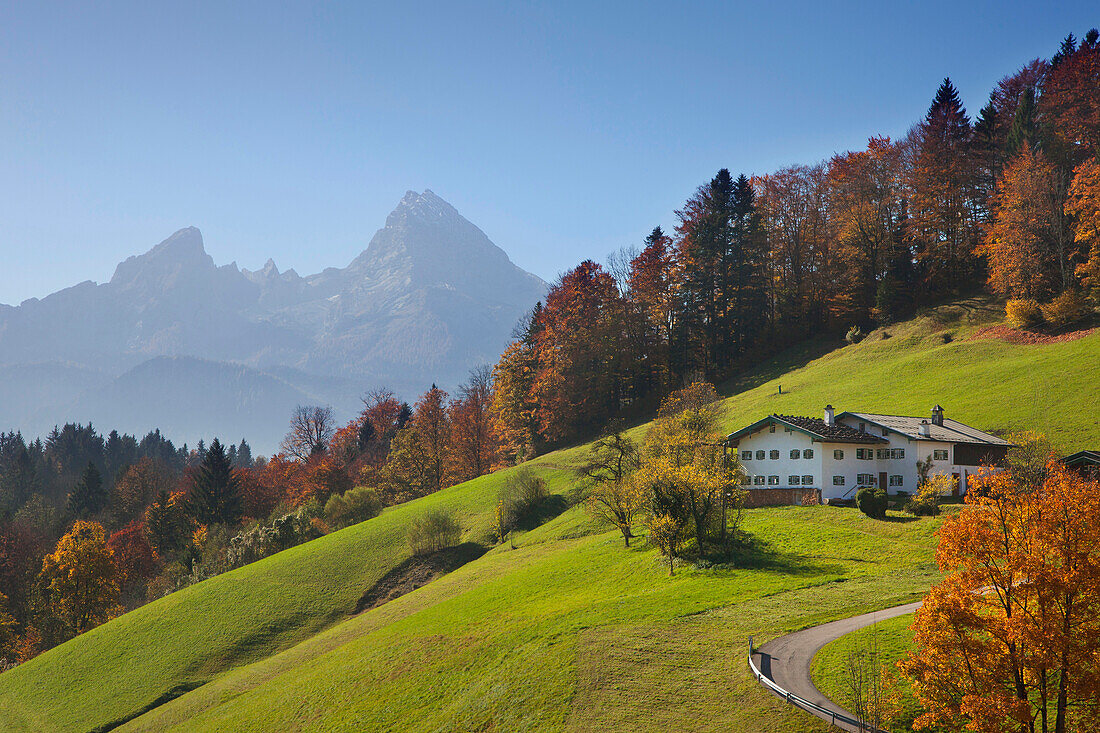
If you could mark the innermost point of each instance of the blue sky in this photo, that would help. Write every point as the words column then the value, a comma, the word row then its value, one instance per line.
column 563, row 130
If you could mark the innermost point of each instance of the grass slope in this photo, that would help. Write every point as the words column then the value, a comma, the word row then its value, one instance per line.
column 893, row 639
column 570, row 631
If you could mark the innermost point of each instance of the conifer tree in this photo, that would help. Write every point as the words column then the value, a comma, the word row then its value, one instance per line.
column 89, row 496
column 244, row 455
column 216, row 497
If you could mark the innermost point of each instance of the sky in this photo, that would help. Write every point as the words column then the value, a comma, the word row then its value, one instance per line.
column 564, row 130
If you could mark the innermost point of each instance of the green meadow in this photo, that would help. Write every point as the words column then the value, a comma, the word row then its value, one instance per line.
column 569, row 631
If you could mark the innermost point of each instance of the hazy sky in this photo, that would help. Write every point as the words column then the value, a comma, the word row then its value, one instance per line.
column 563, row 130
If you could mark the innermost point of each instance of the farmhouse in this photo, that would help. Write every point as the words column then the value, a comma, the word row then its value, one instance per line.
column 839, row 453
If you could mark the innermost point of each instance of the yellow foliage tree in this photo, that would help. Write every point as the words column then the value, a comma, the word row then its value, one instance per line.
column 81, row 577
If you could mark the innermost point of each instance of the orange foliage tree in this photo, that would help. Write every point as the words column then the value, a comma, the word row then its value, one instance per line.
column 1083, row 204
column 1022, row 245
column 475, row 436
column 1010, row 640
column 81, row 578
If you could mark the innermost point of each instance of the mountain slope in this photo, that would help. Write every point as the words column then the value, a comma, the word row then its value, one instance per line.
column 570, row 631
column 428, row 299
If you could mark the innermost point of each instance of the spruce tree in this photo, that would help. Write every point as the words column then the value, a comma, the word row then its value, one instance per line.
column 89, row 496
column 216, row 496
column 244, row 455
column 1023, row 128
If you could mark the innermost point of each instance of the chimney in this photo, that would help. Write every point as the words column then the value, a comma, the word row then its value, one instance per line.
column 925, row 429
column 937, row 415
column 829, row 420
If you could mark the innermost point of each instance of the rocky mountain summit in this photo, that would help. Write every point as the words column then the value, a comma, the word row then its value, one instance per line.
column 430, row 297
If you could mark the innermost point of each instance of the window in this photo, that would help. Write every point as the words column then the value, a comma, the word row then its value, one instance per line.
column 898, row 453
column 885, row 431
column 865, row 454
column 808, row 453
column 773, row 481
column 882, row 453
column 838, row 480
column 758, row 480
column 866, row 479
column 807, row 480
column 939, row 455
column 746, row 455
column 896, row 480
column 838, row 455
column 863, row 427
column 759, row 455
column 774, row 455
column 746, row 480
column 771, row 429
column 794, row 480
column 795, row 453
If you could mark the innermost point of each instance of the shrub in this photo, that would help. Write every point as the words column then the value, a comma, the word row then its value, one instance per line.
column 519, row 498
column 1024, row 313
column 1068, row 308
column 927, row 501
column 872, row 502
column 353, row 506
column 855, row 335
column 433, row 531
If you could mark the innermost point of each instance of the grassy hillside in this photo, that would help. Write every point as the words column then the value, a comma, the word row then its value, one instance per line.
column 569, row 631
column 893, row 639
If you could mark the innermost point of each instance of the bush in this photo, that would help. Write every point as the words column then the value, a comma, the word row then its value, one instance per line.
column 1068, row 308
column 353, row 506
column 872, row 502
column 1024, row 313
column 855, row 335
column 927, row 501
column 433, row 531
column 519, row 498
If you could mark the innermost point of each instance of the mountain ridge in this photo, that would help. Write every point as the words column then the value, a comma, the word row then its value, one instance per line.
column 428, row 298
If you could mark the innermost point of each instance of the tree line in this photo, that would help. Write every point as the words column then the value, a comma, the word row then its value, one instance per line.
column 1008, row 201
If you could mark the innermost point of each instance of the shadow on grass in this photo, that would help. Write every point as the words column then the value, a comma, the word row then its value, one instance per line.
column 547, row 509
column 416, row 572
column 749, row 552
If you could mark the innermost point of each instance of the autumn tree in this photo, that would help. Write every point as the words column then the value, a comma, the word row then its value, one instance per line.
column 419, row 461
column 514, row 407
column 578, row 378
column 135, row 559
column 1023, row 243
column 683, row 460
column 138, row 486
column 613, row 497
column 1083, row 204
column 794, row 204
column 1008, row 640
column 311, row 429
column 81, row 578
column 215, row 497
column 168, row 525
column 89, row 496
column 1069, row 101
column 474, row 432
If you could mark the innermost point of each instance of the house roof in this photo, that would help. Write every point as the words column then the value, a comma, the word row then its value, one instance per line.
column 952, row 431
column 815, row 427
column 1083, row 458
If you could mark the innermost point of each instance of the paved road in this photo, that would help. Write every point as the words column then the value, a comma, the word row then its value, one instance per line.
column 786, row 660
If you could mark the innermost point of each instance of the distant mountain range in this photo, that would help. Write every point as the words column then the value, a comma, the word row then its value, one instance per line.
column 174, row 341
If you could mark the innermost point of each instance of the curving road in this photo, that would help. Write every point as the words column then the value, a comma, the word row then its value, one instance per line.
column 786, row 660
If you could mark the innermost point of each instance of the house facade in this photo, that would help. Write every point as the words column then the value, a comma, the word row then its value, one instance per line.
column 838, row 454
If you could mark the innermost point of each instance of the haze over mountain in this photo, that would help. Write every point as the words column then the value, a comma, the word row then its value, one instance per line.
column 176, row 342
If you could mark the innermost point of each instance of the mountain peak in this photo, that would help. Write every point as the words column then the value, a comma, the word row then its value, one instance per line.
column 182, row 251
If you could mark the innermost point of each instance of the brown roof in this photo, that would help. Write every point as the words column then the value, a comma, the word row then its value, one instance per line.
column 814, row 426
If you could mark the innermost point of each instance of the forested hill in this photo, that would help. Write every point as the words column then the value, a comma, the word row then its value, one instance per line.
column 177, row 342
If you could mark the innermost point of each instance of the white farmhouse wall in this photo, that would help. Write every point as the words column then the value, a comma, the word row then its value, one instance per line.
column 783, row 466
column 824, row 465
